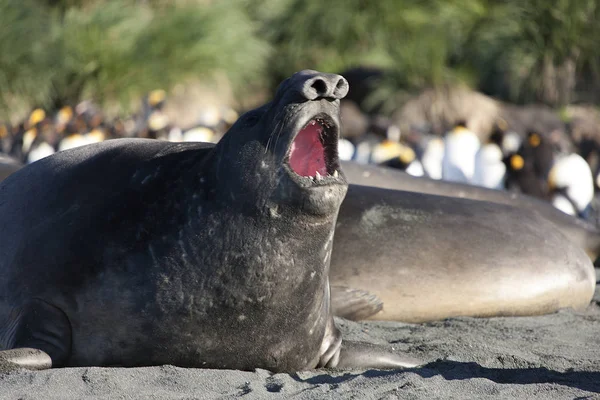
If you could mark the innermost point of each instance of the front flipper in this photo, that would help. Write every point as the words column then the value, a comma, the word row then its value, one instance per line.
column 367, row 355
column 346, row 354
column 39, row 337
column 354, row 304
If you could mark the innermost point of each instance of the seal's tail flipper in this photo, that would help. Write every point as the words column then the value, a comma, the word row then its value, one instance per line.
column 354, row 304
column 24, row 358
column 367, row 355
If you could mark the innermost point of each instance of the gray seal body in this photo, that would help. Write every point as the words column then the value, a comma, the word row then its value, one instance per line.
column 139, row 252
column 431, row 257
column 578, row 231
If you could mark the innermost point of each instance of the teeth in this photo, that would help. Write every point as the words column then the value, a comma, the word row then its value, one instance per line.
column 318, row 176
column 335, row 174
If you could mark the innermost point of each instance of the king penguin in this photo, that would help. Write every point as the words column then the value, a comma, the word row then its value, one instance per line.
column 433, row 157
column 490, row 170
column 571, row 185
column 460, row 147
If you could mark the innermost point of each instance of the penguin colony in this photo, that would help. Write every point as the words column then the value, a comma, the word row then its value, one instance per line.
column 532, row 163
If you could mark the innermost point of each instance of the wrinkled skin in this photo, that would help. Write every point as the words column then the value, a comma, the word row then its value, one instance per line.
column 140, row 252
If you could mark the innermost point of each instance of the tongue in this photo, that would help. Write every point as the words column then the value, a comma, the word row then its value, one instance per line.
column 307, row 156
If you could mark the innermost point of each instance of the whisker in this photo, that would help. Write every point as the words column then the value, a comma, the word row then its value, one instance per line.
column 276, row 130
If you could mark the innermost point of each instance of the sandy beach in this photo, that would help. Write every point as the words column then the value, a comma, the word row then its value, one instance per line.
column 554, row 356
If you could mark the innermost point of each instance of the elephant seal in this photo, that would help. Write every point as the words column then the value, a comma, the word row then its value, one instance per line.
column 578, row 231
column 431, row 257
column 138, row 252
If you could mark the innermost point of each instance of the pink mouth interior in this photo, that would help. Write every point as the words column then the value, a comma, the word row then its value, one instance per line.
column 307, row 156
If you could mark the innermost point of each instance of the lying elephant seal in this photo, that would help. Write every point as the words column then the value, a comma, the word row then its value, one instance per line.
column 579, row 231
column 141, row 252
column 431, row 257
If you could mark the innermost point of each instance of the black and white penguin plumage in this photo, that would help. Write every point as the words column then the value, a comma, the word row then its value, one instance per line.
column 571, row 184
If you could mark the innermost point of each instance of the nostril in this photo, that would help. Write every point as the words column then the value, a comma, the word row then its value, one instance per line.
column 320, row 86
column 313, row 85
column 341, row 88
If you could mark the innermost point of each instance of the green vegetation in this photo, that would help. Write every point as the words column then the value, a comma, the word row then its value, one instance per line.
column 537, row 50
column 113, row 51
column 59, row 52
column 518, row 50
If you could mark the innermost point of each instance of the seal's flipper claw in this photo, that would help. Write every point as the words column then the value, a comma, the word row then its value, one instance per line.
column 24, row 358
column 354, row 304
column 366, row 355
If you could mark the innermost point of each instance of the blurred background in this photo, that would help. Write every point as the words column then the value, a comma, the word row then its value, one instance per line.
column 499, row 93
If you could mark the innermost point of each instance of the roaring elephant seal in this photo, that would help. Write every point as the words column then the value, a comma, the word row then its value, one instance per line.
column 141, row 252
column 577, row 230
column 415, row 257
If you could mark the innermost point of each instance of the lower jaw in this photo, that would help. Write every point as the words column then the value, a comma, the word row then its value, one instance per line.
column 318, row 200
column 335, row 178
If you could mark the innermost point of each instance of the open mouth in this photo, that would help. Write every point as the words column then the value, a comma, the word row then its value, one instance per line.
column 314, row 152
